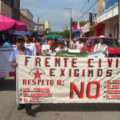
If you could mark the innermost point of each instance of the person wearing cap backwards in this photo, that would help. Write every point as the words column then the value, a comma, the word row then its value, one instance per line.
column 21, row 50
column 101, row 47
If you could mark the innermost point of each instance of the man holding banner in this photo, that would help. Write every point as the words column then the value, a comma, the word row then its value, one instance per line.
column 21, row 50
column 101, row 46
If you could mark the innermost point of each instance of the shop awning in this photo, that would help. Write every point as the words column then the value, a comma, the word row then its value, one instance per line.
column 97, row 26
column 77, row 29
column 20, row 26
column 7, row 23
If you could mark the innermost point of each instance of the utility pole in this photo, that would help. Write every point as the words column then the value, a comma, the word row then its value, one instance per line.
column 119, row 18
column 70, row 10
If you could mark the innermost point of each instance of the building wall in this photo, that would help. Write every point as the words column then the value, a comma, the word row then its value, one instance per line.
column 104, row 5
column 15, row 9
column 27, row 13
column 29, row 23
column 111, row 30
column 5, row 9
column 10, row 8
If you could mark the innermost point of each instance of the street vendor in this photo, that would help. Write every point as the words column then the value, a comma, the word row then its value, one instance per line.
column 101, row 46
column 21, row 50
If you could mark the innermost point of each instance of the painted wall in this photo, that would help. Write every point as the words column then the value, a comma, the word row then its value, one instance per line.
column 103, row 5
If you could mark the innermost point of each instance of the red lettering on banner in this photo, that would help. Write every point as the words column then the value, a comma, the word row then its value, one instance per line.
column 109, row 62
column 37, row 61
column 88, row 72
column 24, row 82
column 89, row 63
column 26, row 89
column 99, row 64
column 73, row 88
column 25, row 99
column 89, row 89
column 57, row 61
column 83, row 73
column 69, row 72
column 65, row 62
column 26, row 60
column 45, row 62
column 25, row 94
column 50, row 71
column 116, row 65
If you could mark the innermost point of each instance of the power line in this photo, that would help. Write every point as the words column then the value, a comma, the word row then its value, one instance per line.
column 82, row 8
column 87, row 11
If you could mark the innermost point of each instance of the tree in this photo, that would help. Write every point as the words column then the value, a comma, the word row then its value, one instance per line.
column 64, row 34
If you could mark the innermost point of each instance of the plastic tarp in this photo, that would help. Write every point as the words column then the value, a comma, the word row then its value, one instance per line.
column 53, row 36
column 21, row 33
column 7, row 23
column 20, row 26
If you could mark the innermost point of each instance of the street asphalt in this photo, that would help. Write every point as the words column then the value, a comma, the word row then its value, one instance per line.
column 8, row 108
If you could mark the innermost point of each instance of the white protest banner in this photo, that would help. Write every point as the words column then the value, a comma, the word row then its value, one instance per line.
column 31, row 47
column 5, row 69
column 67, row 80
column 96, row 55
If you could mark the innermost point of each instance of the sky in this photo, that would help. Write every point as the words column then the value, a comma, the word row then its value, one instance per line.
column 55, row 12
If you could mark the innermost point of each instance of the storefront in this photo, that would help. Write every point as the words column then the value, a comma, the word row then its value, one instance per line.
column 97, row 30
column 77, row 30
column 107, row 14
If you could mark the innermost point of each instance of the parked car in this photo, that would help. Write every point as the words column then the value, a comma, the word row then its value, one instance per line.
column 113, row 45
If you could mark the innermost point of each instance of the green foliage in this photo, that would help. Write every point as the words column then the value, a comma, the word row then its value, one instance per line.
column 65, row 33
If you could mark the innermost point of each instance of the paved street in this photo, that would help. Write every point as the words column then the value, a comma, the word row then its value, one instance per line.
column 8, row 108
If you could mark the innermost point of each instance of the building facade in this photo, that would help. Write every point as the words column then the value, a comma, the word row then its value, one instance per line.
column 10, row 8
column 107, row 16
column 27, row 18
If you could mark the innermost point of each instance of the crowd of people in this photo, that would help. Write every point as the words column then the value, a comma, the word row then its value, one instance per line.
column 55, row 46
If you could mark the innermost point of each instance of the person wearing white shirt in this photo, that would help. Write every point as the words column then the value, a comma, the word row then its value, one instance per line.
column 60, row 48
column 79, row 45
column 101, row 47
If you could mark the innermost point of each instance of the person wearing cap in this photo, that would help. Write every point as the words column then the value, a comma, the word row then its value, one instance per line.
column 101, row 47
column 21, row 50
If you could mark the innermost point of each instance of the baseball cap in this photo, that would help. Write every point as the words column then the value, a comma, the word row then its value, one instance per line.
column 101, row 36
